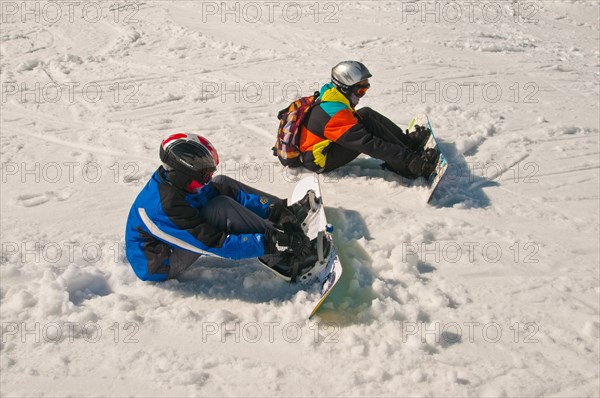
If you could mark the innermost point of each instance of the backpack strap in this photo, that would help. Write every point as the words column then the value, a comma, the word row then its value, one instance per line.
column 316, row 99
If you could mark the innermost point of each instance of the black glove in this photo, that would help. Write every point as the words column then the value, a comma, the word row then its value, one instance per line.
column 280, row 214
column 294, row 241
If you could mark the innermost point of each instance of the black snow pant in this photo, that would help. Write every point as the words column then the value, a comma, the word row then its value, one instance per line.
column 224, row 213
column 379, row 126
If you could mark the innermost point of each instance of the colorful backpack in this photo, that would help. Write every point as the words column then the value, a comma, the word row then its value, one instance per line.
column 287, row 146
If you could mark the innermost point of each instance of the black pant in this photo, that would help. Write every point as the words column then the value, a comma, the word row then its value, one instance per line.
column 225, row 214
column 377, row 125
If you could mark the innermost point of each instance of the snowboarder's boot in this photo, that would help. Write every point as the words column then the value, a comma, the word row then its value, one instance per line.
column 317, row 264
column 419, row 137
column 431, row 155
column 401, row 171
column 282, row 214
column 301, row 208
column 293, row 268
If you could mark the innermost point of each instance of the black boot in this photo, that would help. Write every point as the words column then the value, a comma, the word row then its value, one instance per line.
column 301, row 208
column 401, row 170
column 293, row 267
column 419, row 137
column 281, row 213
column 283, row 265
column 431, row 155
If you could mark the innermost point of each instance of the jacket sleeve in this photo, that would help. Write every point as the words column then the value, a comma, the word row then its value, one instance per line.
column 345, row 129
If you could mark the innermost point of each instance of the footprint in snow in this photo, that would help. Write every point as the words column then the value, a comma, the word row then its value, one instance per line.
column 36, row 199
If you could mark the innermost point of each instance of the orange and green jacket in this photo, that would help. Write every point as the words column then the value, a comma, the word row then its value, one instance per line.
column 335, row 122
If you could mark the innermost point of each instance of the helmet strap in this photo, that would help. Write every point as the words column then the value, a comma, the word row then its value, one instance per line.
column 342, row 87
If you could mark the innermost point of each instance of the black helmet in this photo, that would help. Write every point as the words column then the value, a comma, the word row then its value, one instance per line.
column 348, row 73
column 191, row 155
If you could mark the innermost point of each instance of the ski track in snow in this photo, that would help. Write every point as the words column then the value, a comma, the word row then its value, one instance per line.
column 408, row 318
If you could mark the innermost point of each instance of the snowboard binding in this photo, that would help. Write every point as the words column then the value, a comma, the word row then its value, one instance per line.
column 309, row 203
column 420, row 137
column 281, row 214
column 305, row 270
column 323, row 252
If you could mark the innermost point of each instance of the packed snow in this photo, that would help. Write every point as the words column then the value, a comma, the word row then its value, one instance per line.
column 492, row 289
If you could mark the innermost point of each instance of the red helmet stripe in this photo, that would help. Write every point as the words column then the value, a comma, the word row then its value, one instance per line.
column 212, row 149
column 173, row 137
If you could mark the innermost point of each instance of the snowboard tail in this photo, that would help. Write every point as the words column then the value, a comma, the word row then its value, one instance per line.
column 329, row 269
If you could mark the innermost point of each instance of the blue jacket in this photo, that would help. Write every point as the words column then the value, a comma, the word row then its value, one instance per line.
column 164, row 217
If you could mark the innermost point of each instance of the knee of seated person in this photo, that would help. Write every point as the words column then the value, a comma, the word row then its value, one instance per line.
column 221, row 179
column 223, row 200
column 365, row 111
column 217, row 207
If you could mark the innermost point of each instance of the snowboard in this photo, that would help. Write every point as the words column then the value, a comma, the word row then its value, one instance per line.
column 329, row 269
column 442, row 164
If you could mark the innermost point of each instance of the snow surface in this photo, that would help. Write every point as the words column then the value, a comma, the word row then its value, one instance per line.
column 413, row 315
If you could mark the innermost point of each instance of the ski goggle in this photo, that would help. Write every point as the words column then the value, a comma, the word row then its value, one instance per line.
column 208, row 178
column 197, row 184
column 361, row 89
column 191, row 184
column 205, row 179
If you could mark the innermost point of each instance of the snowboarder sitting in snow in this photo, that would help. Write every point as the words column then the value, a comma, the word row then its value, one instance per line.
column 334, row 132
column 183, row 213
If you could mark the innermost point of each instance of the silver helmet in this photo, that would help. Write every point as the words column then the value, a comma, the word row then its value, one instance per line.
column 348, row 73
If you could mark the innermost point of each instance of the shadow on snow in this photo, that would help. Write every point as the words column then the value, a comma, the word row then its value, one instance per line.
column 249, row 281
